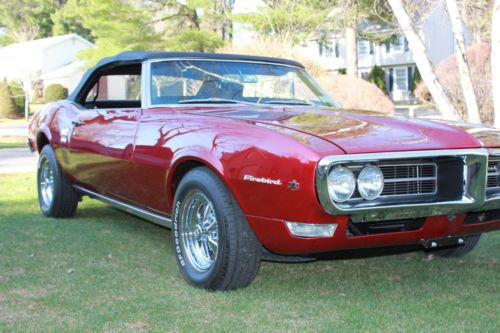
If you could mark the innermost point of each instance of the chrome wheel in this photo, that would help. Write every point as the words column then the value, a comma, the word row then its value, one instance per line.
column 46, row 182
column 199, row 232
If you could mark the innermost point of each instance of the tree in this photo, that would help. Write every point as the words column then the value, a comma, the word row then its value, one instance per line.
column 295, row 20
column 7, row 106
column 495, row 60
column 477, row 15
column 348, row 14
column 423, row 63
column 463, row 65
column 25, row 20
column 116, row 26
column 18, row 95
column 67, row 20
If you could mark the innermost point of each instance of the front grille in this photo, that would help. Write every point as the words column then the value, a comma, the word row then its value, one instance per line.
column 493, row 173
column 409, row 179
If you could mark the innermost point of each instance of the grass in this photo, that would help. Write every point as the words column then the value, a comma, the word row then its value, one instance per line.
column 12, row 142
column 105, row 270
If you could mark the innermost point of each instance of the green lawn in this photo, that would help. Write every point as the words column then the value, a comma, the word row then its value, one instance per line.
column 108, row 271
column 12, row 142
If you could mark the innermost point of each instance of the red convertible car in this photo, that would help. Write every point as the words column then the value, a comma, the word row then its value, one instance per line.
column 246, row 156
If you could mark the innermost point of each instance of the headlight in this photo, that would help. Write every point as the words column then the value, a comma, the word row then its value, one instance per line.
column 341, row 184
column 370, row 182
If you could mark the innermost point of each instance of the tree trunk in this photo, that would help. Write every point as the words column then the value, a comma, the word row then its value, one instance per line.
column 423, row 63
column 352, row 49
column 462, row 63
column 495, row 60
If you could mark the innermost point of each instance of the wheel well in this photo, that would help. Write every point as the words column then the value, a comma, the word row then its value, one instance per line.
column 41, row 141
column 181, row 170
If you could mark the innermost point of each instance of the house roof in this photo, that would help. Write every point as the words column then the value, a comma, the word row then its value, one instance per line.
column 39, row 44
column 64, row 71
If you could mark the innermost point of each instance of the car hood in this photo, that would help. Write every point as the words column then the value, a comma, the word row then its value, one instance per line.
column 360, row 131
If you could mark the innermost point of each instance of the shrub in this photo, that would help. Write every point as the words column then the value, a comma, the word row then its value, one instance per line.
column 417, row 78
column 55, row 92
column 19, row 97
column 479, row 56
column 377, row 77
column 356, row 94
column 7, row 106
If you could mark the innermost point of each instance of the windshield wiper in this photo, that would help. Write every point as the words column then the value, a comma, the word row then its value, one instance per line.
column 214, row 101
column 289, row 102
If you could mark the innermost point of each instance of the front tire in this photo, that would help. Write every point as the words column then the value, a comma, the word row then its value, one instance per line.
column 55, row 194
column 214, row 245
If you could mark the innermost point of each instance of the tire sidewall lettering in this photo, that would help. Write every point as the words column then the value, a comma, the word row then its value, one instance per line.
column 175, row 225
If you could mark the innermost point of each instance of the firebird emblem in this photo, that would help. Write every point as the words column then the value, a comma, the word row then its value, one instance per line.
column 262, row 180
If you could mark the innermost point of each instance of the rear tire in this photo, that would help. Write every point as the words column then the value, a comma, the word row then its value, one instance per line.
column 214, row 245
column 470, row 243
column 55, row 194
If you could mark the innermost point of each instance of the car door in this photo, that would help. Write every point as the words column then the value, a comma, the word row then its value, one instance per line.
column 102, row 138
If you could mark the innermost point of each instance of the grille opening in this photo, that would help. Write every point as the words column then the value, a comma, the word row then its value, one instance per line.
column 488, row 216
column 406, row 179
column 414, row 181
column 493, row 182
column 371, row 228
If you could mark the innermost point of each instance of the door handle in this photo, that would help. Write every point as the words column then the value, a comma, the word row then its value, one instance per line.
column 77, row 123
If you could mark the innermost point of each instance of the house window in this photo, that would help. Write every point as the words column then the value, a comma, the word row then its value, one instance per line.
column 328, row 52
column 325, row 50
column 401, row 79
column 397, row 45
column 363, row 48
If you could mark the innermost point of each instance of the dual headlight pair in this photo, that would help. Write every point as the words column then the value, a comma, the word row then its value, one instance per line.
column 342, row 183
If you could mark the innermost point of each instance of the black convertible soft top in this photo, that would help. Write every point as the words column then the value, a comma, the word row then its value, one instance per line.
column 137, row 57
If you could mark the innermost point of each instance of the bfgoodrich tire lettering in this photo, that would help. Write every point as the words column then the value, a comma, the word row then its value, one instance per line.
column 214, row 246
column 55, row 194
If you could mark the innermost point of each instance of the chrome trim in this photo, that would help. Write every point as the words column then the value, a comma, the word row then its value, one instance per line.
column 139, row 212
column 146, row 71
column 475, row 162
column 492, row 201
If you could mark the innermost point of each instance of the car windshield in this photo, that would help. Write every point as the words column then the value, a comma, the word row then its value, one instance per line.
column 218, row 82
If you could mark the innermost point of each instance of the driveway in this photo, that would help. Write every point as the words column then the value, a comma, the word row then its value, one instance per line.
column 17, row 160
column 14, row 130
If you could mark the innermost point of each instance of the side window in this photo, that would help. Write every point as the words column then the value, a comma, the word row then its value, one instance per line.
column 116, row 88
column 119, row 88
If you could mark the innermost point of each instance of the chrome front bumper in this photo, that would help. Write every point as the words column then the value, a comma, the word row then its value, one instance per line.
column 473, row 198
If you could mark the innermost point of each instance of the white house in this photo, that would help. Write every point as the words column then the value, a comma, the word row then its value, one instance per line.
column 51, row 60
column 396, row 58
